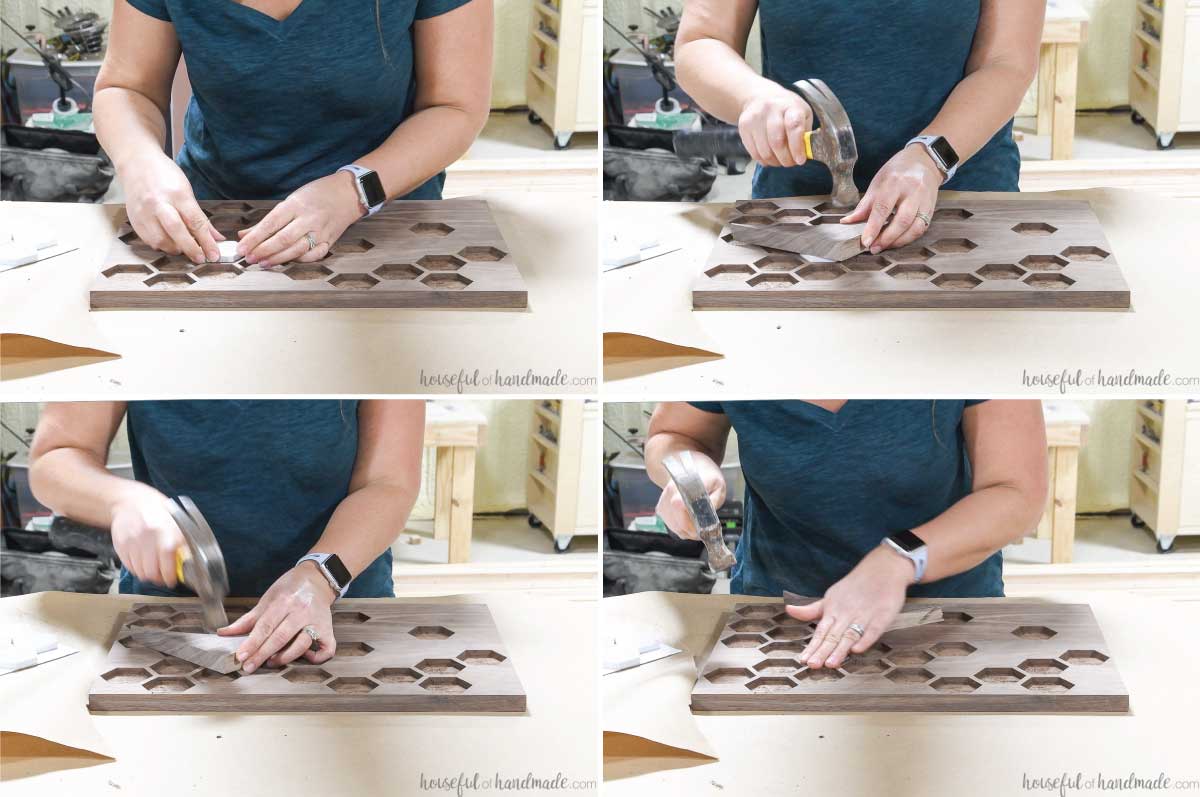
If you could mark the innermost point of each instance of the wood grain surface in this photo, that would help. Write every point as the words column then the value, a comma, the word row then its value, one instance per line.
column 997, row 656
column 421, row 254
column 402, row 657
column 976, row 254
column 205, row 650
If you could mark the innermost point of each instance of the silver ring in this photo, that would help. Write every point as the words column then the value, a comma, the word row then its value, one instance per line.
column 856, row 628
column 312, row 632
column 312, row 240
column 923, row 217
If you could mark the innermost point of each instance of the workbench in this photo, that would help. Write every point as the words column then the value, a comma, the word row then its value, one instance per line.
column 909, row 754
column 455, row 430
column 1058, row 73
column 551, row 643
column 552, row 239
column 668, row 349
column 1066, row 432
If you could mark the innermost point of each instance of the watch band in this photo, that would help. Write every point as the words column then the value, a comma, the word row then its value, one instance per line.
column 948, row 172
column 918, row 556
column 359, row 172
column 319, row 559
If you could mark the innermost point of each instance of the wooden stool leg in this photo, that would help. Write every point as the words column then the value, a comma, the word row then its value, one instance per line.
column 462, row 505
column 443, row 492
column 1066, row 69
column 1045, row 90
column 1066, row 480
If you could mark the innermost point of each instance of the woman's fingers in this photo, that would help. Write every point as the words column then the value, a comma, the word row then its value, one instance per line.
column 292, row 651
column 179, row 234
column 901, row 223
column 200, row 228
column 820, row 657
column 881, row 209
column 874, row 630
column 316, row 253
column 263, row 628
column 277, row 640
column 242, row 625
column 809, row 655
column 796, row 124
column 810, row 612
column 862, row 210
column 279, row 217
column 914, row 232
column 165, row 566
column 293, row 251
column 777, row 139
column 844, row 642
column 266, row 252
column 324, row 652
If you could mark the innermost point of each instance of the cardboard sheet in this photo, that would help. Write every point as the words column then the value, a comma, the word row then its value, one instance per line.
column 905, row 351
column 43, row 329
column 912, row 753
column 551, row 642
column 549, row 348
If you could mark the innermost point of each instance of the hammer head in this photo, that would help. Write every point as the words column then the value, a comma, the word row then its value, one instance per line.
column 833, row 142
column 202, row 565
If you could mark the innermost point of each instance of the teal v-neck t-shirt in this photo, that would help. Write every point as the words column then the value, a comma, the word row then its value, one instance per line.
column 823, row 489
column 267, row 475
column 893, row 64
column 278, row 104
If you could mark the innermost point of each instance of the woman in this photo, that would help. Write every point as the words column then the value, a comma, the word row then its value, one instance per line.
column 286, row 95
column 831, row 485
column 276, row 480
column 954, row 71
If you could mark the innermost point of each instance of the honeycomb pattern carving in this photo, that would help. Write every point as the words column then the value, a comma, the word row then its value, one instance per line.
column 306, row 675
column 774, row 281
column 126, row 675
column 396, row 675
column 308, row 271
column 436, row 229
column 485, row 658
column 756, row 206
column 440, row 666
column 486, row 254
column 170, row 281
column 173, row 666
column 957, row 282
column 446, row 282
column 356, row 282
column 1001, row 271
column 1035, row 228
column 445, row 685
column 398, row 271
column 353, row 650
column 1085, row 253
column 821, row 271
column 431, row 632
column 1043, row 262
column 949, row 664
column 953, row 246
column 167, row 684
column 352, row 686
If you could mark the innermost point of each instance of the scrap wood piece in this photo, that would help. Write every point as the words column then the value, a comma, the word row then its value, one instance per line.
column 204, row 650
column 822, row 241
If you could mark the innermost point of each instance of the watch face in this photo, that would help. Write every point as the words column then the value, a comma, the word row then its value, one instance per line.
column 337, row 570
column 946, row 152
column 373, row 188
column 908, row 541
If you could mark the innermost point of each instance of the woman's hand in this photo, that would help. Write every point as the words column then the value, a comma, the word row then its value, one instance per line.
column 164, row 212
column 772, row 125
column 301, row 597
column 670, row 504
column 871, row 596
column 908, row 185
column 145, row 536
column 324, row 207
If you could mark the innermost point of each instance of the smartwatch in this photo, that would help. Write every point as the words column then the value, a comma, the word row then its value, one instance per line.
column 912, row 548
column 332, row 568
column 944, row 156
column 370, row 188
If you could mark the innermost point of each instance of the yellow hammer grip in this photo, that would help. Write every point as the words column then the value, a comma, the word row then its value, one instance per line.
column 808, row 144
column 181, row 555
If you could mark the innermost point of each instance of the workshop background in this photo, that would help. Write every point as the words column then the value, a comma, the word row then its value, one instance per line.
column 534, row 492
column 1108, row 60
column 1124, row 500
column 541, row 134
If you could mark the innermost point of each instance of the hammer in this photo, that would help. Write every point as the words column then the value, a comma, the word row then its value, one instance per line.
column 832, row 143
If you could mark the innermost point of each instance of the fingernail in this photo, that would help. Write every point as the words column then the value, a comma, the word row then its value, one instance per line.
column 249, row 668
column 867, row 241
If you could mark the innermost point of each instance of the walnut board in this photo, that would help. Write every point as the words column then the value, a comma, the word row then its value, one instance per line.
column 401, row 657
column 417, row 254
column 976, row 254
column 989, row 656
